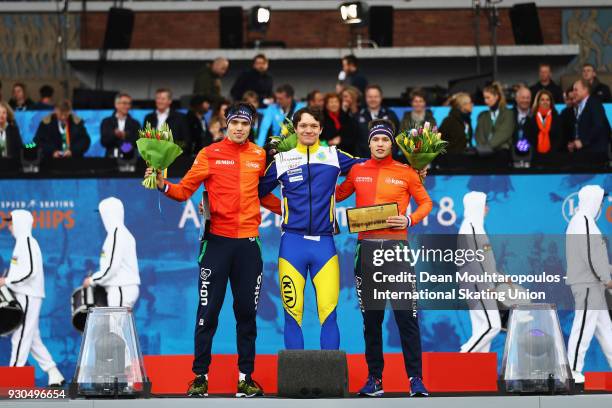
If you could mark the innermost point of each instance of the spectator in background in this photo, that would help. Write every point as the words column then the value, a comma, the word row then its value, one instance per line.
column 275, row 114
column 351, row 98
column 256, row 79
column 543, row 127
column 495, row 126
column 419, row 113
column 199, row 137
column 10, row 139
column 219, row 112
column 315, row 99
column 568, row 116
column 175, row 120
column 251, row 98
column 62, row 134
column 208, row 80
column 338, row 128
column 19, row 100
column 46, row 98
column 374, row 109
column 350, row 75
column 521, row 113
column 592, row 126
column 119, row 132
column 598, row 89
column 215, row 129
column 545, row 82
column 456, row 128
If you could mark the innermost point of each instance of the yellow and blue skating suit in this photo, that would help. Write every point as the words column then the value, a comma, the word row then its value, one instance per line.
column 307, row 176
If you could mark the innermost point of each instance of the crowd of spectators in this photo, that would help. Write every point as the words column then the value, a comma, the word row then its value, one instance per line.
column 532, row 127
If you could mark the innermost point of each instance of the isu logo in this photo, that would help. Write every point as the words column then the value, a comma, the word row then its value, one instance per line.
column 570, row 205
column 288, row 291
column 225, row 162
column 391, row 180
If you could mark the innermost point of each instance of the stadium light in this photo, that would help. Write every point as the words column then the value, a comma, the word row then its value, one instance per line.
column 353, row 12
column 259, row 18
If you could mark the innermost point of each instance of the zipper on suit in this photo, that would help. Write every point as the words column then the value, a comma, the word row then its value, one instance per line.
column 309, row 191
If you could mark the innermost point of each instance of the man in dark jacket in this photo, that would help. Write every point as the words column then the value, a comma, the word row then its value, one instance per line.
column 175, row 120
column 199, row 135
column 592, row 126
column 546, row 82
column 598, row 89
column 522, row 114
column 568, row 116
column 208, row 79
column 118, row 132
column 46, row 98
column 350, row 74
column 373, row 110
column 62, row 134
column 256, row 79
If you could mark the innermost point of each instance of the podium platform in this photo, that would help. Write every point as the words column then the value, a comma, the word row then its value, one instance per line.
column 442, row 372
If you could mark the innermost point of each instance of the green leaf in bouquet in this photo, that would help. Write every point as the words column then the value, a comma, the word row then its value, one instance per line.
column 158, row 153
column 286, row 143
column 419, row 161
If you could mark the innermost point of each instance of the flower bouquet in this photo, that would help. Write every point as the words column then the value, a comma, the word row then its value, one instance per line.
column 158, row 149
column 421, row 145
column 287, row 139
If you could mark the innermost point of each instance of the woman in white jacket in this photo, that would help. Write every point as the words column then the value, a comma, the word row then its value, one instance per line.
column 118, row 272
column 27, row 281
column 588, row 274
column 484, row 313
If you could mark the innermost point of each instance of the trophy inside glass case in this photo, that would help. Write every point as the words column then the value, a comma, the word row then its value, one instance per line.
column 535, row 359
column 110, row 362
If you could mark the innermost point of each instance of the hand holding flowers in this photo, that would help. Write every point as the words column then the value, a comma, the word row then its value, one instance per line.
column 421, row 145
column 158, row 149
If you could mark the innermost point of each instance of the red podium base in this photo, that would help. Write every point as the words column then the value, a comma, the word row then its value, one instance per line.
column 442, row 372
column 460, row 372
column 598, row 381
column 17, row 377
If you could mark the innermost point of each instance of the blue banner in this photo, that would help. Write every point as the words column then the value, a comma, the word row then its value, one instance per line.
column 28, row 122
column 71, row 234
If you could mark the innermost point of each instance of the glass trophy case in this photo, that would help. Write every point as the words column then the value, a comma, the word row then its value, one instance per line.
column 110, row 363
column 535, row 359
